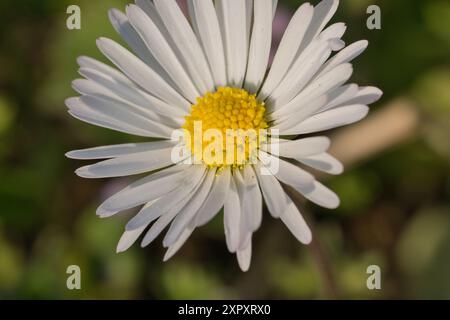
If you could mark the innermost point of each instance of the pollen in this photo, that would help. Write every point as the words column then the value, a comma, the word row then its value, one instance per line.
column 227, row 111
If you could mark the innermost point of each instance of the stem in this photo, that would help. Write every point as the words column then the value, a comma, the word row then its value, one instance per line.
column 322, row 261
column 318, row 253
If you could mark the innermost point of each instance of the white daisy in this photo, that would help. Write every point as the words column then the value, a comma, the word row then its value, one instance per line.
column 214, row 68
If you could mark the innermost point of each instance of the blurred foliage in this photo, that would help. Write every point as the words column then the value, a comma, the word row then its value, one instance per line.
column 395, row 209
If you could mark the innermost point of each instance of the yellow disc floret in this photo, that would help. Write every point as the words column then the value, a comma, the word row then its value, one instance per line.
column 227, row 111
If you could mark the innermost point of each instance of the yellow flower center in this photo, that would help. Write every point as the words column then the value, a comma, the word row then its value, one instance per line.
column 225, row 125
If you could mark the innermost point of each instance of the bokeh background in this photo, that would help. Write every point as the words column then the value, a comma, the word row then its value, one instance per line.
column 395, row 193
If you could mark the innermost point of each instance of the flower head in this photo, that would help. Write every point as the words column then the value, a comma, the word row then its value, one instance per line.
column 213, row 71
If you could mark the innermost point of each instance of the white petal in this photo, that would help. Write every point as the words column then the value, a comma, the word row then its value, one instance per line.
column 128, row 239
column 329, row 100
column 165, row 203
column 252, row 200
column 287, row 49
column 307, row 64
column 336, row 44
column 334, row 31
column 300, row 73
column 302, row 148
column 244, row 256
column 100, row 93
column 232, row 17
column 323, row 162
column 121, row 24
column 173, row 249
column 260, row 45
column 121, row 112
column 280, row 205
column 323, row 13
column 208, row 31
column 249, row 18
column 149, row 8
column 142, row 191
column 193, row 19
column 298, row 113
column 140, row 73
column 188, row 212
column 117, row 150
column 89, row 63
column 91, row 88
column 162, row 205
column 318, row 87
column 128, row 165
column 366, row 96
column 232, row 216
column 323, row 196
column 273, row 193
column 101, row 85
column 295, row 222
column 184, row 37
column 132, row 94
column 160, row 224
column 344, row 56
column 288, row 173
column 165, row 219
column 245, row 228
column 274, row 7
column 216, row 198
column 81, row 111
column 103, row 122
column 161, row 50
column 339, row 96
column 330, row 119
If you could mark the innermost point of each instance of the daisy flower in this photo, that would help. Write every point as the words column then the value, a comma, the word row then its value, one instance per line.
column 213, row 68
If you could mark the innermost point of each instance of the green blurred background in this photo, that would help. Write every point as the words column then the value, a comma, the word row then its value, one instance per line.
column 395, row 209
